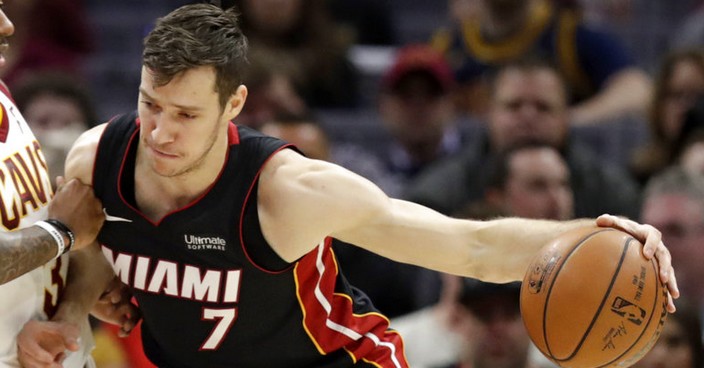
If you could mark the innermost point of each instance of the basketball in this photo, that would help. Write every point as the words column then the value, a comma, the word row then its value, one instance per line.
column 591, row 299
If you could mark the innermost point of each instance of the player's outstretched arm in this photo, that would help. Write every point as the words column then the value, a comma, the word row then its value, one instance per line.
column 301, row 201
column 75, row 217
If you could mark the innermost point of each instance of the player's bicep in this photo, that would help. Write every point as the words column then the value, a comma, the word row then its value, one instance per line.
column 303, row 201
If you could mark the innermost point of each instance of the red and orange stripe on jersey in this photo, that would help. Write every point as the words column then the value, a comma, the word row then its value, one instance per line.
column 333, row 320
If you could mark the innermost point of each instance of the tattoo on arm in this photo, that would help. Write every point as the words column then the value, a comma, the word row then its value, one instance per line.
column 24, row 250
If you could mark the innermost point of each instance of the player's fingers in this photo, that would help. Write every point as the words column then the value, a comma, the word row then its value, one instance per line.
column 30, row 363
column 60, row 358
column 115, row 292
column 70, row 334
column 626, row 225
column 672, row 286
column 60, row 181
column 113, row 296
column 31, row 355
column 653, row 245
column 670, row 304
column 130, row 318
column 648, row 235
column 665, row 262
column 35, row 357
column 605, row 220
column 122, row 332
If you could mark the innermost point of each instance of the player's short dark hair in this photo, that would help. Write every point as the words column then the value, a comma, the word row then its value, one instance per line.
column 198, row 35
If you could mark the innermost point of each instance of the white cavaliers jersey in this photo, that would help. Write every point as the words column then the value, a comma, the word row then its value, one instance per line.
column 25, row 191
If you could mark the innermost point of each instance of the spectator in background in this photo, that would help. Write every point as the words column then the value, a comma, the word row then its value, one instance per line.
column 530, row 180
column 416, row 108
column 303, row 43
column 603, row 82
column 489, row 321
column 692, row 158
column 58, row 107
column 271, row 93
column 370, row 20
column 690, row 33
column 680, row 82
column 680, row 341
column 689, row 145
column 305, row 132
column 674, row 203
column 50, row 35
column 528, row 103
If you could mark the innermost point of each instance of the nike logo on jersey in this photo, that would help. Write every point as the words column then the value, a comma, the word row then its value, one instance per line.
column 114, row 218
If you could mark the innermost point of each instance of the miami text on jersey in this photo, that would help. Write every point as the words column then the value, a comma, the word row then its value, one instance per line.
column 169, row 278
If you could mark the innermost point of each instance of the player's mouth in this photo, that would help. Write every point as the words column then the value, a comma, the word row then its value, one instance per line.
column 162, row 154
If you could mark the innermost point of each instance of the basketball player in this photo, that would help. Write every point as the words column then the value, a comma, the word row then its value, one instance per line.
column 224, row 233
column 34, row 259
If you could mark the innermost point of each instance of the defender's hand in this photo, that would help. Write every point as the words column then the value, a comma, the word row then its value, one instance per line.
column 75, row 205
column 43, row 344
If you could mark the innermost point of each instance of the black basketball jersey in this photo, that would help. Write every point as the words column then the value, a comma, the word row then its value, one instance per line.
column 212, row 291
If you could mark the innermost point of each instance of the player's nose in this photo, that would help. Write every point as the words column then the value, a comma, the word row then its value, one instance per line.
column 6, row 26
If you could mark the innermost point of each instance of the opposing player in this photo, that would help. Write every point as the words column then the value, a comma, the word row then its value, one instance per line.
column 223, row 234
column 36, row 230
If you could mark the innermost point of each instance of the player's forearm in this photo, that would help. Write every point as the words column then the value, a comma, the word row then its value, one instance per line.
column 24, row 250
column 88, row 276
column 505, row 247
column 494, row 251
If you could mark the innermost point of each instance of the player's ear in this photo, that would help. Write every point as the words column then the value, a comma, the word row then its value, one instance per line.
column 235, row 103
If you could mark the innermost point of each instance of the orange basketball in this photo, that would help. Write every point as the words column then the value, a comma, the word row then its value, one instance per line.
column 590, row 299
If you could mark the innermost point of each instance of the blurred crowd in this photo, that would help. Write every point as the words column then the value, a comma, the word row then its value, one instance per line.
column 549, row 109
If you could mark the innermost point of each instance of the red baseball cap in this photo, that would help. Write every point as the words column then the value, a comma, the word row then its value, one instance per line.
column 419, row 58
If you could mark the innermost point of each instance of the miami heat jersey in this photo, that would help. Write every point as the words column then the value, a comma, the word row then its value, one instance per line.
column 212, row 291
column 25, row 191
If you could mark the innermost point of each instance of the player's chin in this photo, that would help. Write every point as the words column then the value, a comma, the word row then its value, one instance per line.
column 166, row 171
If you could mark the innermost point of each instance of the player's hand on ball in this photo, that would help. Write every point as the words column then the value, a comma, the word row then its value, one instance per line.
column 653, row 246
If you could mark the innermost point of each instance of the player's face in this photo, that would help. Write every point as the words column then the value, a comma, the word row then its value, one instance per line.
column 6, row 30
column 183, row 127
